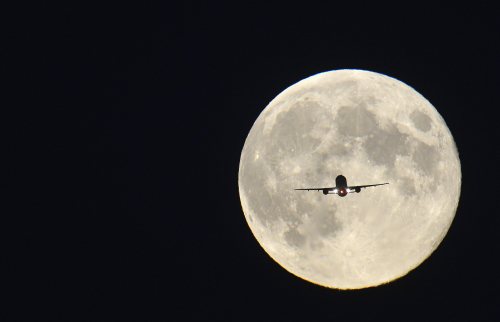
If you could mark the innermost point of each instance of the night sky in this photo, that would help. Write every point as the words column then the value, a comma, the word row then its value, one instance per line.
column 127, row 128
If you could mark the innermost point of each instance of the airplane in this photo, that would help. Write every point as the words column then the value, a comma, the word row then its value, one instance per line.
column 341, row 188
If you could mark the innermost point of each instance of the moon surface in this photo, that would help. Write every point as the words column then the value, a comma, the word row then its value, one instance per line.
column 372, row 129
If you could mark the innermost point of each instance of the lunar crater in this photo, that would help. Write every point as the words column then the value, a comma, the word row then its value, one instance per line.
column 421, row 120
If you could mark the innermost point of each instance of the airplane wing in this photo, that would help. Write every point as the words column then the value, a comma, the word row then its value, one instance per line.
column 316, row 189
column 366, row 186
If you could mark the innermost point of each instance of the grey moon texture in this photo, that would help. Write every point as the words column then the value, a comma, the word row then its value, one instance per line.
column 371, row 128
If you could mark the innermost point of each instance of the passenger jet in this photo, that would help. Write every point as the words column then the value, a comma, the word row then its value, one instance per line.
column 341, row 188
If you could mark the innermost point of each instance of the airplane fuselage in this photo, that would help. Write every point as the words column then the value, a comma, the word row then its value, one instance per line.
column 341, row 187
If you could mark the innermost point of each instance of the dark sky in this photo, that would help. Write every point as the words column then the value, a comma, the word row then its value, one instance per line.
column 128, row 128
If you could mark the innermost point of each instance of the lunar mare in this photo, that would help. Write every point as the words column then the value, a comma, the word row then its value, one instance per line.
column 371, row 128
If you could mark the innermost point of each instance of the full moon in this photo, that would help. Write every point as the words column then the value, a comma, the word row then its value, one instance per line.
column 371, row 128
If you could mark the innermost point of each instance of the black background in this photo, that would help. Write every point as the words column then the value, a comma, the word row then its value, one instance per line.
column 128, row 127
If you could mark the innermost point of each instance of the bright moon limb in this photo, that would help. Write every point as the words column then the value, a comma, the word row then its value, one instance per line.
column 371, row 128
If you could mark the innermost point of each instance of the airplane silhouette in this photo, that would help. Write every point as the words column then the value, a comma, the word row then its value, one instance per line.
column 341, row 188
